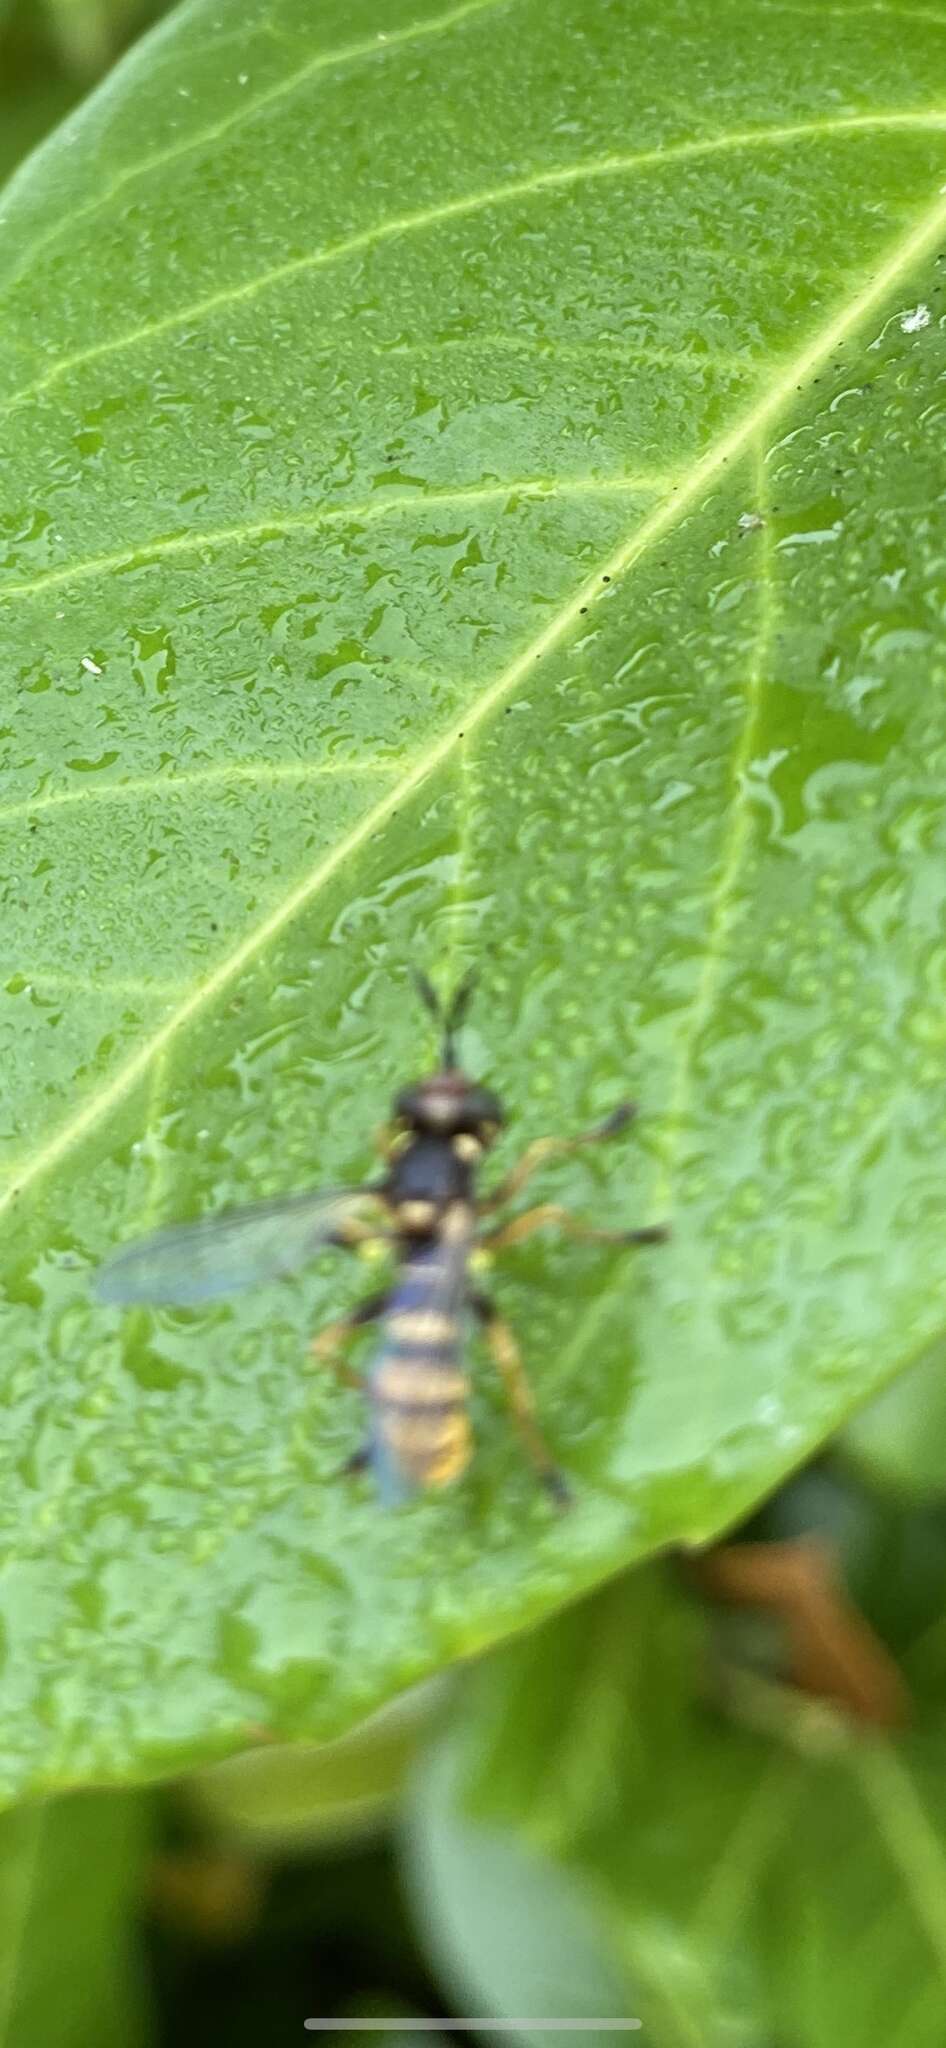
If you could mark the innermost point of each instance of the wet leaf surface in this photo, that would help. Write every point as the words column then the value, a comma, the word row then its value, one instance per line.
column 470, row 492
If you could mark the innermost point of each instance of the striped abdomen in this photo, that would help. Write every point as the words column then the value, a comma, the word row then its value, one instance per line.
column 419, row 1391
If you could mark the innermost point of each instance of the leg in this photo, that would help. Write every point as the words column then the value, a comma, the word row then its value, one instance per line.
column 556, row 1148
column 327, row 1346
column 357, row 1232
column 505, row 1354
column 358, row 1462
column 552, row 1212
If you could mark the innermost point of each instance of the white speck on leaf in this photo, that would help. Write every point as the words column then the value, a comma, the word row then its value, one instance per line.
column 92, row 666
column 912, row 322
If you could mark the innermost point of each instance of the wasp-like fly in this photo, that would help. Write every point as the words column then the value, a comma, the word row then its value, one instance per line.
column 426, row 1209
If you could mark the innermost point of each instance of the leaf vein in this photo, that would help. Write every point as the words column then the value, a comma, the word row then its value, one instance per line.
column 140, row 554
column 465, row 204
column 145, row 786
column 906, row 252
column 325, row 60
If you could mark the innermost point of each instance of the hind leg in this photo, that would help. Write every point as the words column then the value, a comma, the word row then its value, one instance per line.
column 574, row 1226
column 328, row 1346
column 506, row 1357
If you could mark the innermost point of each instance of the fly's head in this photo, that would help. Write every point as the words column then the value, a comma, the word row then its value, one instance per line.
column 451, row 1107
column 447, row 1105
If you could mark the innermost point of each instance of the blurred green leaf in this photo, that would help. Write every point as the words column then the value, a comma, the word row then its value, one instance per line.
column 754, row 1889
column 27, row 113
column 49, row 54
column 470, row 490
column 512, row 1934
column 35, row 93
column 70, row 1881
column 899, row 1440
column 87, row 34
column 298, row 1794
column 391, row 2037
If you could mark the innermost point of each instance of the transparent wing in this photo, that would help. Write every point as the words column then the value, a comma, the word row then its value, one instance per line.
column 239, row 1248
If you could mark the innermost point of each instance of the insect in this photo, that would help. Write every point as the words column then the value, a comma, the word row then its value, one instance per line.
column 426, row 1209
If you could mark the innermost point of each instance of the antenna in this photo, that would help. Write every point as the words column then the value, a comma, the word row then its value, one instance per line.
column 458, row 1007
column 427, row 994
column 456, row 1010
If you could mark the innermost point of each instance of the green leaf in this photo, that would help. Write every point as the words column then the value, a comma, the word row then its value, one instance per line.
column 391, row 400
column 747, row 1889
column 70, row 1873
column 86, row 32
column 899, row 1440
column 34, row 93
column 294, row 1795
column 513, row 1935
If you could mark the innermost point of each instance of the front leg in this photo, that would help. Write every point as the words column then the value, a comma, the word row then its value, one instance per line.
column 556, row 1148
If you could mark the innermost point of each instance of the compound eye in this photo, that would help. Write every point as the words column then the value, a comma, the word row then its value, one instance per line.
column 406, row 1106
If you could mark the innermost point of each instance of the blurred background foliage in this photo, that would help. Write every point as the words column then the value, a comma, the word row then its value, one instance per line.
column 51, row 52
column 635, row 1810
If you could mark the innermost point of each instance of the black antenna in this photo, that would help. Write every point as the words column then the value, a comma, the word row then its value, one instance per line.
column 457, row 1007
column 427, row 994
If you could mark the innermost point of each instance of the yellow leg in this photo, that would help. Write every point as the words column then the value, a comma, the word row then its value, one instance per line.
column 507, row 1358
column 356, row 1232
column 552, row 1212
column 556, row 1148
column 328, row 1346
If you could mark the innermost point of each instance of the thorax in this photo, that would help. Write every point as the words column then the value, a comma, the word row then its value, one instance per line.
column 427, row 1183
